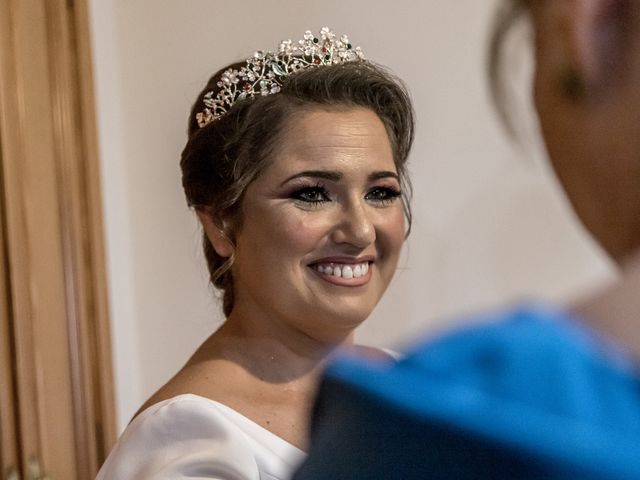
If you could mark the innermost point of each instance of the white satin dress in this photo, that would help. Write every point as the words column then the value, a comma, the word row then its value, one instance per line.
column 195, row 438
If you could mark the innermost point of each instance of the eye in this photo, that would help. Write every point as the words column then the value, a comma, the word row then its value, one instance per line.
column 313, row 195
column 382, row 195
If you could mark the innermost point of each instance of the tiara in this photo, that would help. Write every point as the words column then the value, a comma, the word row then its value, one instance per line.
column 265, row 72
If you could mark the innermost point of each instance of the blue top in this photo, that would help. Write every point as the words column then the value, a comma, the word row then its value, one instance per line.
column 532, row 394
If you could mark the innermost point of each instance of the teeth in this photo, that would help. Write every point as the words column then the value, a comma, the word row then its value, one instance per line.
column 347, row 272
column 344, row 271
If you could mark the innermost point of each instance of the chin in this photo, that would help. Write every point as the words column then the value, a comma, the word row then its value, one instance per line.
column 345, row 318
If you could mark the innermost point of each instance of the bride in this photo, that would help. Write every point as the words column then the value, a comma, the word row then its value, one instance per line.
column 296, row 167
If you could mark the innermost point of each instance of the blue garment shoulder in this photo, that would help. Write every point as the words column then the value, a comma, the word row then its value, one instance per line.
column 528, row 393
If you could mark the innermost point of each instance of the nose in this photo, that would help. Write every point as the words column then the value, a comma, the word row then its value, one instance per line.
column 354, row 227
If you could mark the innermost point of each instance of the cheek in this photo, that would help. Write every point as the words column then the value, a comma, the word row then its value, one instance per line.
column 556, row 124
column 296, row 232
column 560, row 131
column 391, row 233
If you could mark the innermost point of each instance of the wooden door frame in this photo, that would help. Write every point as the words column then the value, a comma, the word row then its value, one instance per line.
column 56, row 33
column 9, row 452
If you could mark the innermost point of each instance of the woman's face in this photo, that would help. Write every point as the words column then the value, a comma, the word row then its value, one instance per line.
column 322, row 226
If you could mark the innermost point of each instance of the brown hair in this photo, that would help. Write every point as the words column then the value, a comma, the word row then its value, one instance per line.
column 507, row 16
column 221, row 159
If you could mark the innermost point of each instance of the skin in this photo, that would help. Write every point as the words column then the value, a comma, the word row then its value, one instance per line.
column 593, row 137
column 329, row 196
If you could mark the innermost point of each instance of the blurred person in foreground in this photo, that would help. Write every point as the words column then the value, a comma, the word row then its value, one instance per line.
column 535, row 391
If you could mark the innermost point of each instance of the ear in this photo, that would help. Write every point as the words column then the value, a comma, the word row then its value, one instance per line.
column 592, row 36
column 216, row 232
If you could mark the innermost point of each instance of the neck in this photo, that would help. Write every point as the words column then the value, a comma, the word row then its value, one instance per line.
column 616, row 310
column 274, row 350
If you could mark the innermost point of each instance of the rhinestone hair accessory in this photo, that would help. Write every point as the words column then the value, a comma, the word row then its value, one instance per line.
column 264, row 72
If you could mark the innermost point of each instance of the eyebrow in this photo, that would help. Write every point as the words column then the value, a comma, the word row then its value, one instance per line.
column 337, row 176
column 383, row 174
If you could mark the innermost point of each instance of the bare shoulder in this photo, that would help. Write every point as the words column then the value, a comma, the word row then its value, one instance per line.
column 207, row 376
column 173, row 388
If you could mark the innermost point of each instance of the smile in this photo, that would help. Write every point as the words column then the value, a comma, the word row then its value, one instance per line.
column 345, row 274
column 344, row 271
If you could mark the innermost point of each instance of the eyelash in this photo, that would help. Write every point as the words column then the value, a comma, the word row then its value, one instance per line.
column 303, row 195
column 382, row 196
column 390, row 195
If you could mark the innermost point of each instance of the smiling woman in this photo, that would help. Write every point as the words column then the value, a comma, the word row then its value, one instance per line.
column 295, row 165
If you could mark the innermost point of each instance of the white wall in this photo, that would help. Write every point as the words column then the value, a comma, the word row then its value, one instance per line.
column 489, row 223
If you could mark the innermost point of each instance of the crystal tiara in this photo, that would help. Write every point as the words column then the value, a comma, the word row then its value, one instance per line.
column 264, row 72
